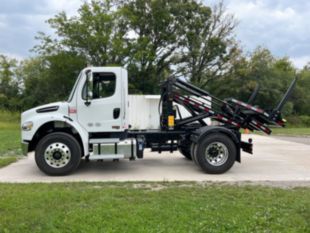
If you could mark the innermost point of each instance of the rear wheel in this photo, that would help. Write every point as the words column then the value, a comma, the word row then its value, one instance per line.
column 58, row 154
column 193, row 151
column 216, row 153
column 185, row 148
column 186, row 152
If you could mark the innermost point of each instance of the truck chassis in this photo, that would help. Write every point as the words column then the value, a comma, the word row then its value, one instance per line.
column 214, row 148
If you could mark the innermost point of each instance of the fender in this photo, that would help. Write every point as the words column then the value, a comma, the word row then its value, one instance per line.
column 41, row 119
column 200, row 133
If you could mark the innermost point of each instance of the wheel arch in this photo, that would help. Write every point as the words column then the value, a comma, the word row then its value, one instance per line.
column 60, row 126
column 202, row 132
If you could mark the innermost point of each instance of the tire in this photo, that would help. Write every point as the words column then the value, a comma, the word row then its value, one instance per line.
column 216, row 153
column 58, row 154
column 193, row 151
column 186, row 152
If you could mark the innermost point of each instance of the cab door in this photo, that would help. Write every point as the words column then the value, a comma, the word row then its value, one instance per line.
column 102, row 113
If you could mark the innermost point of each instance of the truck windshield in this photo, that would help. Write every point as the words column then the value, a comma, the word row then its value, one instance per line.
column 74, row 87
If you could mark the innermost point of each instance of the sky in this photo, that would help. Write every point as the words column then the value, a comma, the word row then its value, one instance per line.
column 283, row 26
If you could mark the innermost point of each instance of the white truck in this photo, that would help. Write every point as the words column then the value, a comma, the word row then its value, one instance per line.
column 93, row 124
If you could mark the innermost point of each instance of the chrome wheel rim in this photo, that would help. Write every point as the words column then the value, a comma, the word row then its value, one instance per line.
column 216, row 153
column 57, row 155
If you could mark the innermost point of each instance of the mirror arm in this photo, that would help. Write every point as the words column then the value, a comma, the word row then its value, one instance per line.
column 87, row 102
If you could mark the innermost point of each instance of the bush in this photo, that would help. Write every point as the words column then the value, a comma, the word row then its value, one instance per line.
column 305, row 120
column 298, row 121
column 12, row 117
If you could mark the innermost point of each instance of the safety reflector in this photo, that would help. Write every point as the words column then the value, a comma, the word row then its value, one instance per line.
column 171, row 121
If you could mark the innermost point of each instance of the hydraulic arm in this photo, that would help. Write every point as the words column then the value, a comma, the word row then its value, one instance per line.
column 201, row 104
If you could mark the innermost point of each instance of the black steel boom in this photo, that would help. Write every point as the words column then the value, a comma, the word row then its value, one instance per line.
column 230, row 112
column 286, row 96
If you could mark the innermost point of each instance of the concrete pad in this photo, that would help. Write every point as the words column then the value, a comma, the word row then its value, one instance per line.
column 299, row 139
column 273, row 160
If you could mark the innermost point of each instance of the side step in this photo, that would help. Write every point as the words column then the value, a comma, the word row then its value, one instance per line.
column 106, row 157
column 103, row 140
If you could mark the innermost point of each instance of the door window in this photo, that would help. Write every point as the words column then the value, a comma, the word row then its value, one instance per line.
column 104, row 85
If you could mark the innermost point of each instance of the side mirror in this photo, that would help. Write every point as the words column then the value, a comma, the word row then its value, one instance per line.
column 89, row 95
column 89, row 87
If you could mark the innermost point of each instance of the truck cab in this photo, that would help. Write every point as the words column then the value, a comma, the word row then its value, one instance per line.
column 96, row 108
column 99, row 101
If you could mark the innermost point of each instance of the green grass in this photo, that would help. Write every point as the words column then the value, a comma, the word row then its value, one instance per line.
column 6, row 116
column 152, row 207
column 291, row 131
column 4, row 161
column 286, row 131
column 9, row 138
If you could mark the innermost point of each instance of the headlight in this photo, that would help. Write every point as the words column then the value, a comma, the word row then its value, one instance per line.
column 27, row 126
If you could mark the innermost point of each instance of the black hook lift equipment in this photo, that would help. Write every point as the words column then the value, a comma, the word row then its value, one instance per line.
column 214, row 148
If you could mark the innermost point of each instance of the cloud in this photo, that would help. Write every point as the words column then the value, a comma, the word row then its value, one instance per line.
column 18, row 31
column 54, row 6
column 280, row 25
column 39, row 6
column 13, row 55
column 300, row 62
column 20, row 20
column 3, row 23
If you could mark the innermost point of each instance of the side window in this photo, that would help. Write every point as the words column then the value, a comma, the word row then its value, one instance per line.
column 104, row 85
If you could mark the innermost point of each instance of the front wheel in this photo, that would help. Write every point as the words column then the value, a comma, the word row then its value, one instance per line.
column 216, row 153
column 58, row 154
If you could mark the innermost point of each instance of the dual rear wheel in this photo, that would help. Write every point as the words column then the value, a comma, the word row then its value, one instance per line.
column 214, row 154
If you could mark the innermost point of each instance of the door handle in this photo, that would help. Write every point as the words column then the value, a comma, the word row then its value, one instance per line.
column 116, row 113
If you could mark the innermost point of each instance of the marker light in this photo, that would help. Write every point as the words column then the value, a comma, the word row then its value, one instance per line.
column 27, row 126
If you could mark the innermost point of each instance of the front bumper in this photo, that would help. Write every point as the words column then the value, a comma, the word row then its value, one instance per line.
column 25, row 147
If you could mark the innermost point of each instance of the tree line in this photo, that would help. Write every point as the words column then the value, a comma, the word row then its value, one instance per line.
column 153, row 39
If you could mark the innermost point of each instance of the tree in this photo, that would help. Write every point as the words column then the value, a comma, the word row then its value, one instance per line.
column 209, row 44
column 273, row 75
column 50, row 78
column 185, row 38
column 9, row 84
column 93, row 34
column 155, row 36
column 301, row 95
column 153, row 39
